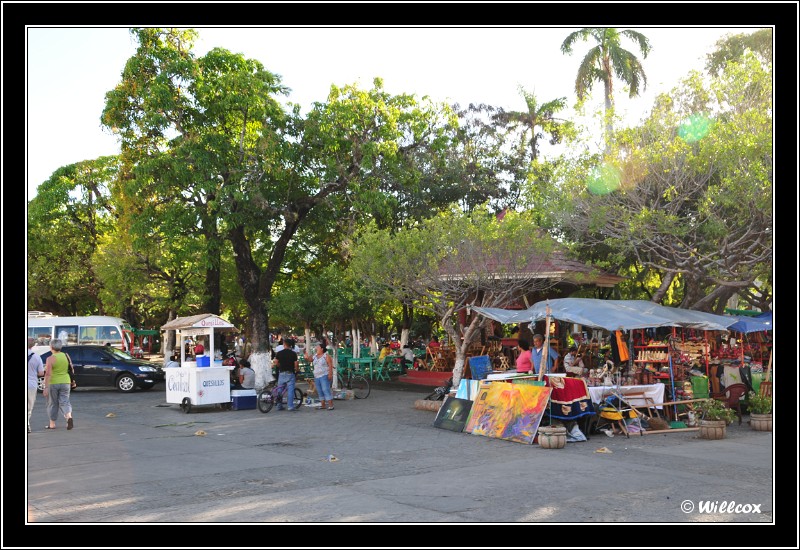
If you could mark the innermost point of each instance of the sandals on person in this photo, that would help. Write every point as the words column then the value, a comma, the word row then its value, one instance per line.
column 49, row 427
column 330, row 408
column 69, row 423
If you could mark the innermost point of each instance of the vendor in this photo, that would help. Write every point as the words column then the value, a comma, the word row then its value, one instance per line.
column 199, row 349
column 573, row 362
column 536, row 355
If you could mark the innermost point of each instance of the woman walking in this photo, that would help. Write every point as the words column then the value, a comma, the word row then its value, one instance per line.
column 323, row 373
column 57, row 385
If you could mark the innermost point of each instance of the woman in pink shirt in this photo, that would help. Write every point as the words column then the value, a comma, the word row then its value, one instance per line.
column 524, row 363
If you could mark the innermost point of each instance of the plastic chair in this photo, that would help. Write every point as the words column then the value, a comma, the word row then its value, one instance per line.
column 732, row 396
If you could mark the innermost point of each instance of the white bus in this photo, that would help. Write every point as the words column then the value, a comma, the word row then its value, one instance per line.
column 91, row 329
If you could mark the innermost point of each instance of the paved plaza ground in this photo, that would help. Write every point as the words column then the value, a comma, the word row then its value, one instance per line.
column 133, row 458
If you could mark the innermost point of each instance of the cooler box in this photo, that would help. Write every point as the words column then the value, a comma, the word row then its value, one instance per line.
column 203, row 361
column 243, row 399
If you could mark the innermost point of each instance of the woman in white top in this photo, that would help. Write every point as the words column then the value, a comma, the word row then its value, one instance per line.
column 323, row 373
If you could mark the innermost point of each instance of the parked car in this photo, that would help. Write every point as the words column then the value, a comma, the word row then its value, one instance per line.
column 107, row 366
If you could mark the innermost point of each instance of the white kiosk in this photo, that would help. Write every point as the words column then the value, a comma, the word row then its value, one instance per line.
column 192, row 385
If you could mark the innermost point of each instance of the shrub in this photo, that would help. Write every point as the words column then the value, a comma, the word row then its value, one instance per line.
column 759, row 404
column 714, row 409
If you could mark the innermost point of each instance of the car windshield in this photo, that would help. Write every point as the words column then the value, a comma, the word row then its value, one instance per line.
column 119, row 354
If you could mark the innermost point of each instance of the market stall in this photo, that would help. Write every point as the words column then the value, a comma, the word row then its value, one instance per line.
column 667, row 361
column 205, row 380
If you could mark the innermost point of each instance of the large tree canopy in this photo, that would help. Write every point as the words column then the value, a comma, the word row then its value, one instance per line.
column 694, row 195
column 453, row 261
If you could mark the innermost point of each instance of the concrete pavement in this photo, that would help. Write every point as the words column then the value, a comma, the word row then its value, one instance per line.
column 135, row 458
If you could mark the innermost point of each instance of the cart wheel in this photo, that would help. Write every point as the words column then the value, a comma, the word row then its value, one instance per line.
column 186, row 405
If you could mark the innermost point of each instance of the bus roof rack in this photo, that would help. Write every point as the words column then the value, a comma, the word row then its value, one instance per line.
column 35, row 313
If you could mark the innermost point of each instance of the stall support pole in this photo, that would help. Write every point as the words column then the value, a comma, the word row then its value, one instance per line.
column 671, row 376
column 546, row 347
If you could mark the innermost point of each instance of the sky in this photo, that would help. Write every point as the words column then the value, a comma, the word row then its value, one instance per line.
column 69, row 70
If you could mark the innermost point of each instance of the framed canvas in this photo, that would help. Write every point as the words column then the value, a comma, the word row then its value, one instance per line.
column 453, row 414
column 508, row 411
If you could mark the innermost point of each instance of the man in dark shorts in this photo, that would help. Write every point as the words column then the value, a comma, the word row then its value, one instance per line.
column 287, row 362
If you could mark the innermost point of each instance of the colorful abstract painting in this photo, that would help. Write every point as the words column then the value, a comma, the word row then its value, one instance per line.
column 508, row 411
column 453, row 414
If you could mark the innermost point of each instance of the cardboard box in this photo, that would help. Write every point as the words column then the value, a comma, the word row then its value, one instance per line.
column 344, row 395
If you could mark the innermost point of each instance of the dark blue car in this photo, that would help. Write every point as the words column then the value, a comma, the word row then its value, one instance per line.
column 107, row 366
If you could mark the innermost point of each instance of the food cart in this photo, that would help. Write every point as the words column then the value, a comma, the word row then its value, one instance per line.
column 192, row 384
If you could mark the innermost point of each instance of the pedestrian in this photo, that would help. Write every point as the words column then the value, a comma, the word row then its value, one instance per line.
column 287, row 362
column 323, row 373
column 35, row 371
column 173, row 362
column 57, row 385
column 536, row 355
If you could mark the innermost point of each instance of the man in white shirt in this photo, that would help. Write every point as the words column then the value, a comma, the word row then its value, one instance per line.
column 573, row 363
column 35, row 370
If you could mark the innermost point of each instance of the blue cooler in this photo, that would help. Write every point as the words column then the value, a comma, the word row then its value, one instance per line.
column 243, row 399
column 203, row 361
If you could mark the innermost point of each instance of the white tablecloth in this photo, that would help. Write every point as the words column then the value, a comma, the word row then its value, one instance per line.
column 655, row 392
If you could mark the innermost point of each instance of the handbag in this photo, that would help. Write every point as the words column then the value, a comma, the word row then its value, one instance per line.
column 71, row 370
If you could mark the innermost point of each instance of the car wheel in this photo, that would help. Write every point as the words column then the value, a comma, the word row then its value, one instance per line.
column 40, row 384
column 126, row 383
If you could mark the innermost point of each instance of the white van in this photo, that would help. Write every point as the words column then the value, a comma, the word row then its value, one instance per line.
column 90, row 329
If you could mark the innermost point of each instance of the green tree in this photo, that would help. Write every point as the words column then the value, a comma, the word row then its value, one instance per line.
column 732, row 48
column 539, row 119
column 451, row 262
column 694, row 201
column 607, row 60
column 188, row 128
column 67, row 220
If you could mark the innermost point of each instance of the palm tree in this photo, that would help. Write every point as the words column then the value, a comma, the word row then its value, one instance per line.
column 607, row 60
column 538, row 119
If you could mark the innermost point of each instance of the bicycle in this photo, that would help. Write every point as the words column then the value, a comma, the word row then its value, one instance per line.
column 440, row 392
column 273, row 394
column 355, row 382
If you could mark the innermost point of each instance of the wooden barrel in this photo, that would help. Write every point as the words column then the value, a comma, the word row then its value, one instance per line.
column 761, row 422
column 553, row 437
column 712, row 429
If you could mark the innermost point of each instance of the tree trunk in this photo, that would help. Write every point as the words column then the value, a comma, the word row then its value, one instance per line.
column 260, row 356
column 663, row 287
column 212, row 288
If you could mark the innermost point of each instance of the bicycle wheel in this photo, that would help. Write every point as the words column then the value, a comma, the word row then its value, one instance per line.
column 298, row 398
column 360, row 386
column 264, row 400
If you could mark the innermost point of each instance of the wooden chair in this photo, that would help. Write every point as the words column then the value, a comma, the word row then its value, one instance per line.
column 437, row 361
column 765, row 389
column 732, row 396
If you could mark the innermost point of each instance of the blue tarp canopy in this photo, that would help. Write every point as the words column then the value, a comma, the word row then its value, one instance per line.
column 612, row 315
column 752, row 324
